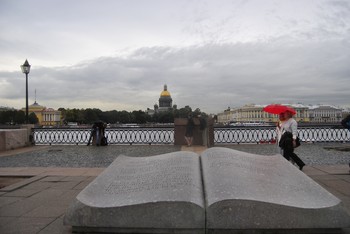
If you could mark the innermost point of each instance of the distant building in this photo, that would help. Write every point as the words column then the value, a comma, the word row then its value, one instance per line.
column 226, row 116
column 46, row 116
column 165, row 100
column 325, row 114
column 165, row 103
column 51, row 117
column 253, row 113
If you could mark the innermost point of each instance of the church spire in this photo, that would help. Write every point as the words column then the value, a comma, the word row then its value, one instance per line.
column 35, row 98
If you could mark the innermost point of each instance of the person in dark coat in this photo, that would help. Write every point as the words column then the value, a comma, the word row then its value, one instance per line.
column 346, row 122
column 204, row 129
column 189, row 130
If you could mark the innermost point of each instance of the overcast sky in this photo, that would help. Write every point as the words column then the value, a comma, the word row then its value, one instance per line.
column 212, row 54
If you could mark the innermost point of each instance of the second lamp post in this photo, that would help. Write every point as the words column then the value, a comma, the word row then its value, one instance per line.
column 26, row 69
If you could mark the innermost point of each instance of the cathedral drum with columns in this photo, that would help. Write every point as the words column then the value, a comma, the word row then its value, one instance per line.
column 165, row 101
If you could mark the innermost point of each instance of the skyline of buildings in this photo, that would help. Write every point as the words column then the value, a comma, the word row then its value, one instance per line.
column 252, row 113
column 248, row 113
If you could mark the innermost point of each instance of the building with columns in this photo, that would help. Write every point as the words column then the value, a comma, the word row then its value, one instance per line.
column 325, row 114
column 253, row 113
column 46, row 116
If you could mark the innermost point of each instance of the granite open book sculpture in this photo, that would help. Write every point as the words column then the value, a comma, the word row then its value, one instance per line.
column 220, row 191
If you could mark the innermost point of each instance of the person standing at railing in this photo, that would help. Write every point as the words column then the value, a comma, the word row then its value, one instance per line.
column 189, row 130
column 93, row 133
column 203, row 127
column 346, row 122
column 98, row 134
column 288, row 140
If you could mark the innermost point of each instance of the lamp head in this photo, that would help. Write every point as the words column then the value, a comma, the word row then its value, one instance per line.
column 25, row 67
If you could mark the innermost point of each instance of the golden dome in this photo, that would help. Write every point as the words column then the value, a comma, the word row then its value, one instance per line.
column 165, row 92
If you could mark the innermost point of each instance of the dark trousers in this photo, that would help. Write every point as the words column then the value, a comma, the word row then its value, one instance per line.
column 288, row 153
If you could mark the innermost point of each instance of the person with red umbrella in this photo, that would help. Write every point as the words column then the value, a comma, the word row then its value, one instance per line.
column 278, row 109
column 287, row 131
column 289, row 138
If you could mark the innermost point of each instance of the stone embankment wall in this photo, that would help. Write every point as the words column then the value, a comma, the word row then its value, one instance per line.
column 15, row 138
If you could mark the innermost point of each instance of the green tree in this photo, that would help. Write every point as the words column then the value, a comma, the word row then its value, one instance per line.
column 74, row 115
column 166, row 117
column 63, row 114
column 110, row 116
column 6, row 116
column 32, row 118
column 124, row 117
column 19, row 117
column 183, row 112
column 197, row 112
column 139, row 117
column 91, row 115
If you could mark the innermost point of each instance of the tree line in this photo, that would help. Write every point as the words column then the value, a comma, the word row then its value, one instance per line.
column 13, row 117
column 91, row 115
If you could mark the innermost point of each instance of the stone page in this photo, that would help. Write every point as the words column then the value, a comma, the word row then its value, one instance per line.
column 161, row 193
column 247, row 191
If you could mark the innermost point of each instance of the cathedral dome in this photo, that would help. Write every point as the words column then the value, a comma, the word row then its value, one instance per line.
column 165, row 100
column 165, row 92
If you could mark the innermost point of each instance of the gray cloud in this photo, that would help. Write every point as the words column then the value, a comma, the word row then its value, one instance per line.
column 210, row 77
column 211, row 54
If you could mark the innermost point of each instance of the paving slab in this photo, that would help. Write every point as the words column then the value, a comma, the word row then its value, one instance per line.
column 46, row 212
column 19, row 208
column 56, row 227
column 6, row 220
column 8, row 200
column 28, row 225
column 340, row 169
column 21, row 183
column 22, row 193
column 339, row 185
column 311, row 170
column 75, row 178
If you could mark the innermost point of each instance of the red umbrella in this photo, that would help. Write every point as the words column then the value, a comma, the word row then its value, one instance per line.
column 278, row 109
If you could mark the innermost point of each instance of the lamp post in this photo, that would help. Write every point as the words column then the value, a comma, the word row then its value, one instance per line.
column 26, row 69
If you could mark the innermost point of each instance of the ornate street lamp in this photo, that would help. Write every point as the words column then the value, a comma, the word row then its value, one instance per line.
column 26, row 69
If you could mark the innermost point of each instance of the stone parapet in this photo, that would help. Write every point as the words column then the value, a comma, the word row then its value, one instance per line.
column 14, row 138
column 180, row 130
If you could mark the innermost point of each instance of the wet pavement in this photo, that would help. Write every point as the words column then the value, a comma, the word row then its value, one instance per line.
column 91, row 156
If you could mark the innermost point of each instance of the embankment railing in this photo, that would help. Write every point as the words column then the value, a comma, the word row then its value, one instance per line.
column 165, row 135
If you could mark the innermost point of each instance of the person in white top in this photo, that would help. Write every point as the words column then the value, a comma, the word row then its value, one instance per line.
column 287, row 133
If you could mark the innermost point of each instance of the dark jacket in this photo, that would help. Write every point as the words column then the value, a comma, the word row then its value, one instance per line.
column 346, row 122
column 286, row 140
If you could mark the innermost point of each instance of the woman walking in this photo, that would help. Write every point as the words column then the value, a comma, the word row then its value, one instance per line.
column 287, row 133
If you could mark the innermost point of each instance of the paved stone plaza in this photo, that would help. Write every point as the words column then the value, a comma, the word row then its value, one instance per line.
column 58, row 173
column 83, row 156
